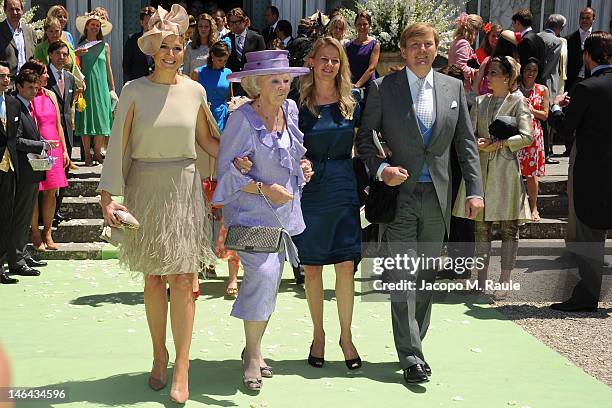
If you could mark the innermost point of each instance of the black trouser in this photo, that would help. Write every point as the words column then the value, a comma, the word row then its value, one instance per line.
column 546, row 133
column 461, row 229
column 26, row 195
column 589, row 246
column 7, row 197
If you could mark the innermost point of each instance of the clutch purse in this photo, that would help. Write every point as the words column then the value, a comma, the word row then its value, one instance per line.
column 114, row 235
column 503, row 127
column 254, row 239
column 381, row 202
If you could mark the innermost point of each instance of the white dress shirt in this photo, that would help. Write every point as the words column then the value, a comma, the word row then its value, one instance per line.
column 583, row 36
column 20, row 42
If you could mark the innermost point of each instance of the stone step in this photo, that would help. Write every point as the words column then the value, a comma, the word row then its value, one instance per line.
column 552, row 205
column 547, row 228
column 82, row 187
column 80, row 251
column 553, row 185
column 79, row 230
column 82, row 207
column 83, row 171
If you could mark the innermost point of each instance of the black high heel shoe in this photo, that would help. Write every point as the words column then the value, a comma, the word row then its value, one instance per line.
column 316, row 362
column 352, row 364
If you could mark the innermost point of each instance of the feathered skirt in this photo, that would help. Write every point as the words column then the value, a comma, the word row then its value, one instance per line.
column 174, row 236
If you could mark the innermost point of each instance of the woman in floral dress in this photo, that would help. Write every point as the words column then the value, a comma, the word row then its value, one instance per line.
column 532, row 158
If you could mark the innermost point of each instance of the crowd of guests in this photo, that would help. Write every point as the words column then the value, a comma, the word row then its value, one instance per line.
column 284, row 157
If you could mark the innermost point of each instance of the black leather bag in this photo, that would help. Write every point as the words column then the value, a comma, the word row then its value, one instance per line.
column 381, row 202
column 503, row 127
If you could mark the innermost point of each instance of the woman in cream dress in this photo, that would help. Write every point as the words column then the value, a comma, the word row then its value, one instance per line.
column 160, row 121
column 505, row 194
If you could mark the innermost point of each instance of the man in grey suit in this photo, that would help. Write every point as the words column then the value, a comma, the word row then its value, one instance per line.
column 550, row 72
column 419, row 113
column 17, row 40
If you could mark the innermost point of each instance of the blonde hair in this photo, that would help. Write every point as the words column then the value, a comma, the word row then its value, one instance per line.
column 212, row 34
column 343, row 82
column 418, row 30
column 467, row 26
column 50, row 22
column 338, row 19
column 54, row 11
column 250, row 86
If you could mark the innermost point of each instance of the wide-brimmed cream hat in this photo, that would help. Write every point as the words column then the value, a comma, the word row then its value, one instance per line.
column 162, row 24
column 105, row 25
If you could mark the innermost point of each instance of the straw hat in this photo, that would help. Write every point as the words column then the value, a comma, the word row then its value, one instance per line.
column 161, row 25
column 268, row 62
column 105, row 25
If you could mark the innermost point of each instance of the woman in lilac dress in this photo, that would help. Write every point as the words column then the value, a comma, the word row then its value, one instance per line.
column 265, row 130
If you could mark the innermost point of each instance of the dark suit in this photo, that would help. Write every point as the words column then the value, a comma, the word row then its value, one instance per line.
column 588, row 115
column 8, row 141
column 26, row 192
column 65, row 103
column 8, row 48
column 135, row 63
column 252, row 42
column 424, row 208
column 269, row 35
column 575, row 60
column 532, row 45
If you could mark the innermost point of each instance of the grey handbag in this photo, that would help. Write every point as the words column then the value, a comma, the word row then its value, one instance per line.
column 256, row 239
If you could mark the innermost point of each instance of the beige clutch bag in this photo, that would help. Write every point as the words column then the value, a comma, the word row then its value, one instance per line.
column 114, row 235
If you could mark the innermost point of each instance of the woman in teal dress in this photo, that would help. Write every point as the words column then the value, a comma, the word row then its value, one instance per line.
column 96, row 119
column 330, row 205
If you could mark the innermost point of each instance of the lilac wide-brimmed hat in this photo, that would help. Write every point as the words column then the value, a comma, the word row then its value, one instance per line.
column 268, row 62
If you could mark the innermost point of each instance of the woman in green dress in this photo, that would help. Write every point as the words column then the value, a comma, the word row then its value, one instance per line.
column 52, row 33
column 96, row 119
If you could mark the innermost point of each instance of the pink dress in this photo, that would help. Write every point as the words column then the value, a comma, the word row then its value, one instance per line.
column 45, row 113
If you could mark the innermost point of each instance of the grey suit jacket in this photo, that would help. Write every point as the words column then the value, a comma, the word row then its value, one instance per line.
column 65, row 102
column 389, row 110
column 550, row 73
column 8, row 48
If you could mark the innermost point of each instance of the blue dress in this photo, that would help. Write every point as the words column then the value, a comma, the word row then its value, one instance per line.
column 330, row 204
column 217, row 90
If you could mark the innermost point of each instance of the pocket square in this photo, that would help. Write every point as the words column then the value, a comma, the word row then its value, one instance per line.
column 16, row 119
column 70, row 91
column 454, row 105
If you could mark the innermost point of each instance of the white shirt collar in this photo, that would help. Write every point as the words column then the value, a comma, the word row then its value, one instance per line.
column 24, row 101
column 286, row 40
column 56, row 72
column 243, row 34
column 274, row 25
column 412, row 78
column 11, row 27
column 528, row 29
column 585, row 34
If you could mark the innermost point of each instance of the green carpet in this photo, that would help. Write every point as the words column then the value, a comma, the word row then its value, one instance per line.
column 81, row 326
